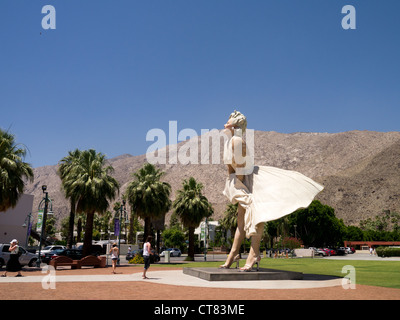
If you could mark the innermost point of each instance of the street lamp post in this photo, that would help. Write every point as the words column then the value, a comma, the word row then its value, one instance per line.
column 205, row 239
column 27, row 224
column 43, row 231
column 122, row 212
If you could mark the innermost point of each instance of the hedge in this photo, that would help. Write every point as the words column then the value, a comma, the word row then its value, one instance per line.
column 388, row 252
column 137, row 259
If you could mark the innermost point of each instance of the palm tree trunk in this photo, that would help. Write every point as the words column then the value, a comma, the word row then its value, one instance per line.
column 147, row 228
column 158, row 241
column 79, row 230
column 191, row 243
column 130, row 233
column 87, row 242
column 70, row 239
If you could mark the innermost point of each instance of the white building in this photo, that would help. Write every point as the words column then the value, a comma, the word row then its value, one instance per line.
column 13, row 220
column 201, row 229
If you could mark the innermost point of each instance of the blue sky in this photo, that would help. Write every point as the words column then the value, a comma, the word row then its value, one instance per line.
column 113, row 70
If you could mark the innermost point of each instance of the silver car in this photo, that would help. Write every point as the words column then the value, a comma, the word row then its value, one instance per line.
column 25, row 258
column 174, row 252
column 319, row 252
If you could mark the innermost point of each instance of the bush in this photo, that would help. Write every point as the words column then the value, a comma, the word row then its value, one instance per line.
column 291, row 243
column 137, row 259
column 173, row 238
column 388, row 252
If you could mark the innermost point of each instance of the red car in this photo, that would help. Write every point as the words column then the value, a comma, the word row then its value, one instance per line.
column 329, row 252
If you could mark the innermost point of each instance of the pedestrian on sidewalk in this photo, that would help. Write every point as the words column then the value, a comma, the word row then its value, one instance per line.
column 147, row 251
column 13, row 264
column 114, row 251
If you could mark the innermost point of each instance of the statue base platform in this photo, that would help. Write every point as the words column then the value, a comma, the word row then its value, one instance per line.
column 216, row 274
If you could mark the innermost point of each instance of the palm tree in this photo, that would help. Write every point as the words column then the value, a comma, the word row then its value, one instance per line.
column 229, row 221
column 67, row 164
column 191, row 206
column 13, row 171
column 148, row 196
column 90, row 178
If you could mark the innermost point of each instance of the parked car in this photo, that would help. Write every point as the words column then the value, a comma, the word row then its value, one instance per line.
column 154, row 258
column 50, row 248
column 74, row 254
column 174, row 252
column 329, row 252
column 350, row 250
column 319, row 252
column 25, row 258
column 47, row 256
column 341, row 251
column 96, row 249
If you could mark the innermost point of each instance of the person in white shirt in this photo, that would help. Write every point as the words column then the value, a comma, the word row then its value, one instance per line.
column 147, row 251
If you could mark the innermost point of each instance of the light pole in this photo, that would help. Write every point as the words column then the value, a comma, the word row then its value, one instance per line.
column 205, row 239
column 43, row 231
column 27, row 223
column 121, row 212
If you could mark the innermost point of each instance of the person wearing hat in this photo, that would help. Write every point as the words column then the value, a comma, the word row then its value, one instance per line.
column 13, row 264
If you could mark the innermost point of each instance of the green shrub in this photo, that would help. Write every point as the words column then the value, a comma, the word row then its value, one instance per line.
column 137, row 259
column 388, row 252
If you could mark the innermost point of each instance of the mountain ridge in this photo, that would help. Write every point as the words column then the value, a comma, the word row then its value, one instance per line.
column 359, row 170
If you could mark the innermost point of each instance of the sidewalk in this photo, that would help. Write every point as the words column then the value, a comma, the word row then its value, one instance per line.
column 168, row 276
column 167, row 283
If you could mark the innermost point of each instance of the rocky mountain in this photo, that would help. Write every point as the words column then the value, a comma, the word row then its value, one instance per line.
column 359, row 169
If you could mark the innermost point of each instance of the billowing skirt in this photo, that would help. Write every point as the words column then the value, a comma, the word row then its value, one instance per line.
column 270, row 193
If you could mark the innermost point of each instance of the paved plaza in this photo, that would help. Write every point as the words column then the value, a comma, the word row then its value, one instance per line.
column 170, row 283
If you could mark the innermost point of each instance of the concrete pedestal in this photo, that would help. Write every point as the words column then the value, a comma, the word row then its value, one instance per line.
column 216, row 274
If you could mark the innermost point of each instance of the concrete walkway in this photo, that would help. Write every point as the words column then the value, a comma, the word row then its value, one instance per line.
column 177, row 277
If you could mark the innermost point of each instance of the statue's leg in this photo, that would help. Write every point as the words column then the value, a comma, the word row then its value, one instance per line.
column 254, row 253
column 238, row 239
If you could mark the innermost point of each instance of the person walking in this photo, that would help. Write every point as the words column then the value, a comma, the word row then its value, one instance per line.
column 147, row 251
column 114, row 251
column 13, row 264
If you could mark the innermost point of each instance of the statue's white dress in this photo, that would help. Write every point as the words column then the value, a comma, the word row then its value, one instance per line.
column 268, row 193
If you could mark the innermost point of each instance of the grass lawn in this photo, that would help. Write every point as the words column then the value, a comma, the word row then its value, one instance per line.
column 372, row 273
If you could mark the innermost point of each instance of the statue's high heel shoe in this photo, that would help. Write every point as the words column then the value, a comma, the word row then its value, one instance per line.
column 227, row 266
column 248, row 268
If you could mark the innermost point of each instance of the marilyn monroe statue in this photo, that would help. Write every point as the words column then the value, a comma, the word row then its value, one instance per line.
column 263, row 193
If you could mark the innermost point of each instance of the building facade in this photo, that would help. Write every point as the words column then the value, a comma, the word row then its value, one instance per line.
column 14, row 222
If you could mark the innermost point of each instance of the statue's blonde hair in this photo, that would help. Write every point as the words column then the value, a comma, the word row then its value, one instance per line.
column 239, row 120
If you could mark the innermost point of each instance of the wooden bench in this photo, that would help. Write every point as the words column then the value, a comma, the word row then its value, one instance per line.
column 65, row 261
column 97, row 262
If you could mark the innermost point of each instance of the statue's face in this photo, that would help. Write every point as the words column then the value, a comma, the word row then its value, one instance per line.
column 229, row 124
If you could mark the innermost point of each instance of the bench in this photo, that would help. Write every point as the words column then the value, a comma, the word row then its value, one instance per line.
column 97, row 262
column 65, row 261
